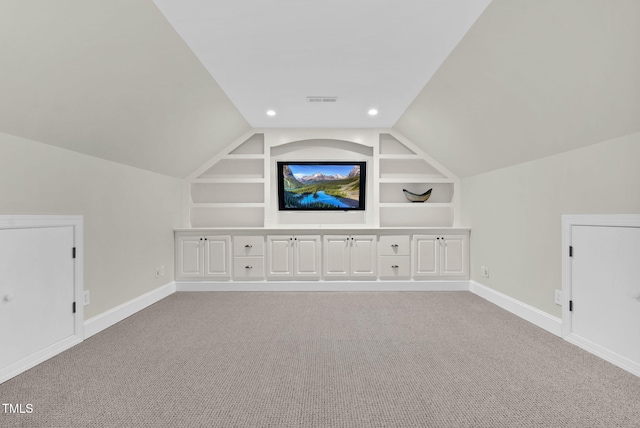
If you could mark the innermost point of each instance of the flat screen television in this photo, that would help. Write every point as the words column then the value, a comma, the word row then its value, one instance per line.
column 321, row 186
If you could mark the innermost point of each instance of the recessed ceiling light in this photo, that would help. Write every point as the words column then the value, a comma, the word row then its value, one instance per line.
column 373, row 112
column 271, row 112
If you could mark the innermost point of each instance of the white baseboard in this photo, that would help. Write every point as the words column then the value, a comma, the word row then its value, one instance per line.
column 112, row 316
column 37, row 358
column 323, row 286
column 605, row 354
column 533, row 315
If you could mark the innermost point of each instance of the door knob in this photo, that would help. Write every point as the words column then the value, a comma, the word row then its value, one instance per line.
column 9, row 297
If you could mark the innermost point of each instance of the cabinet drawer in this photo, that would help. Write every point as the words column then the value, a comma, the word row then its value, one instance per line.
column 394, row 245
column 248, row 268
column 395, row 267
column 248, row 245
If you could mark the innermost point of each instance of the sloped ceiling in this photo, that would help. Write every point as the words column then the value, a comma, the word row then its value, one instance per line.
column 274, row 54
column 531, row 78
column 110, row 79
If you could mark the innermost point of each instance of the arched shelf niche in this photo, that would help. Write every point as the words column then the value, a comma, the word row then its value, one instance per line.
column 328, row 150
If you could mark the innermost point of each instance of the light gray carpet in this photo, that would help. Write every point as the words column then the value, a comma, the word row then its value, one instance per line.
column 361, row 359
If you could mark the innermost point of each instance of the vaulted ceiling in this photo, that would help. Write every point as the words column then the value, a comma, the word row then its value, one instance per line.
column 113, row 79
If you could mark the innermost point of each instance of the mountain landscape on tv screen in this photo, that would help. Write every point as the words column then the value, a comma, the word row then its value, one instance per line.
column 321, row 186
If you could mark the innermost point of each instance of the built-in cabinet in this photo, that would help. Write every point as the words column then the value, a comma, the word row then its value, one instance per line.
column 441, row 256
column 248, row 257
column 349, row 256
column 293, row 257
column 235, row 231
column 395, row 257
column 384, row 254
column 203, row 257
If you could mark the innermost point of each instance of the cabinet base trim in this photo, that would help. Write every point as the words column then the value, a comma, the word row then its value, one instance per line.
column 115, row 315
column 324, row 286
column 533, row 315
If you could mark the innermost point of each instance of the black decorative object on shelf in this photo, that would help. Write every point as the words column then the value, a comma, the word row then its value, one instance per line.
column 414, row 197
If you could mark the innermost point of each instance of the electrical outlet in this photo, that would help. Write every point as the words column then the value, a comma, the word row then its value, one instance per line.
column 157, row 272
column 86, row 297
column 484, row 271
column 558, row 297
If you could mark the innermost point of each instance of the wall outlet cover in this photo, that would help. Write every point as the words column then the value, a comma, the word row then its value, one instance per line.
column 558, row 297
column 484, row 271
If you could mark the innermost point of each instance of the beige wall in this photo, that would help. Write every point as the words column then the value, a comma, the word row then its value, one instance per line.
column 515, row 214
column 531, row 78
column 128, row 214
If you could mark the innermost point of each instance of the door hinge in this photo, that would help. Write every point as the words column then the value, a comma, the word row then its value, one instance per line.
column 73, row 252
column 74, row 307
column 570, row 305
column 570, row 251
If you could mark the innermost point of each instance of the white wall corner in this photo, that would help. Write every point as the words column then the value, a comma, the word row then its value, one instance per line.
column 115, row 315
column 529, row 313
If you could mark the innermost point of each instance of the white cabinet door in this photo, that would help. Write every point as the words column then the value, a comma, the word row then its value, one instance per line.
column 349, row 257
column 455, row 256
column 190, row 257
column 199, row 257
column 216, row 257
column 307, row 257
column 36, row 291
column 335, row 252
column 280, row 257
column 427, row 256
column 363, row 256
column 605, row 285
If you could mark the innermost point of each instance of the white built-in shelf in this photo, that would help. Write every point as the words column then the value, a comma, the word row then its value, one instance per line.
column 415, row 205
column 243, row 156
column 228, row 205
column 414, row 179
column 400, row 156
column 237, row 189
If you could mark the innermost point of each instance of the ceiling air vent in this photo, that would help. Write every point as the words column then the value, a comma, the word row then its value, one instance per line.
column 322, row 99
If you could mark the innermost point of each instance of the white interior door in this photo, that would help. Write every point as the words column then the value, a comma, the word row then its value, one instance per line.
column 605, row 288
column 36, row 290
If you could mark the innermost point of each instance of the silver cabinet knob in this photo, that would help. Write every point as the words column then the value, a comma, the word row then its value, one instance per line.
column 248, row 267
column 248, row 246
column 395, row 266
